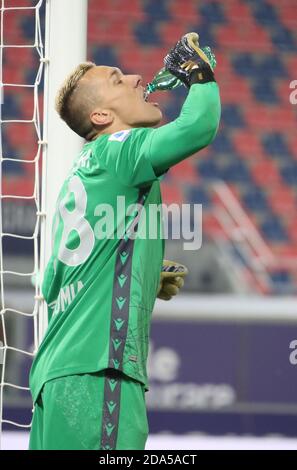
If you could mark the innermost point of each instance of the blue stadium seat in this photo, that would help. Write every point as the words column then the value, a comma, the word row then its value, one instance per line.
column 222, row 143
column 273, row 230
column 199, row 196
column 28, row 27
column 275, row 145
column 147, row 34
column 30, row 77
column 271, row 66
column 245, row 64
column 11, row 108
column 280, row 277
column 264, row 13
column 212, row 12
column 264, row 91
column 232, row 115
column 289, row 173
column 236, row 171
column 255, row 199
column 11, row 168
column 283, row 39
column 206, row 34
column 105, row 55
column 157, row 10
column 208, row 169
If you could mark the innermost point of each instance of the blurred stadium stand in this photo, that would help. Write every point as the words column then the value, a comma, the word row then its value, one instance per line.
column 255, row 152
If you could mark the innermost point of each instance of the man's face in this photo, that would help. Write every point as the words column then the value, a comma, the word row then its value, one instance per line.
column 123, row 96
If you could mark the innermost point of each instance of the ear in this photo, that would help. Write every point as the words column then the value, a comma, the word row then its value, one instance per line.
column 101, row 117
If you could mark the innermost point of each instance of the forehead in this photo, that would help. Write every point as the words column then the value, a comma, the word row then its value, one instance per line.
column 102, row 72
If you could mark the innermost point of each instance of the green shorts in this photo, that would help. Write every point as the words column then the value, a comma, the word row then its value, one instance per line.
column 105, row 410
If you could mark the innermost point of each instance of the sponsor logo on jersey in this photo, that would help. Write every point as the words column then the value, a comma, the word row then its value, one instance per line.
column 66, row 296
column 120, row 136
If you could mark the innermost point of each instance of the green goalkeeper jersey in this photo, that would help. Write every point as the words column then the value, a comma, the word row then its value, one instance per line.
column 102, row 279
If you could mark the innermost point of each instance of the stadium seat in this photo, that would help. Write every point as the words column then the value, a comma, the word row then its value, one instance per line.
column 212, row 12
column 247, row 144
column 264, row 91
column 104, row 55
column 283, row 200
column 255, row 200
column 147, row 33
column 171, row 193
column 222, row 143
column 275, row 144
column 232, row 116
column 289, row 173
column 264, row 13
column 208, row 169
column 273, row 229
column 184, row 172
column 198, row 195
column 265, row 173
column 235, row 171
column 183, row 12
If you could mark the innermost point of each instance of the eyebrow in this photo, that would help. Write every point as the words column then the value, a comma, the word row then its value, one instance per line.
column 114, row 72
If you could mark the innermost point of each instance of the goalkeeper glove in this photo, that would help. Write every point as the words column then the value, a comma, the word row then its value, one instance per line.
column 188, row 62
column 171, row 280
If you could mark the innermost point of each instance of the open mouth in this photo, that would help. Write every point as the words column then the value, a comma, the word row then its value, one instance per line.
column 146, row 95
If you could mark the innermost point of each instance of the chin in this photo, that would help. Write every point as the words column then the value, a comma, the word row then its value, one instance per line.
column 154, row 118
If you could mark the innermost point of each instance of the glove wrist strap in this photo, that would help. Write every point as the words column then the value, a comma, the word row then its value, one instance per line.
column 202, row 74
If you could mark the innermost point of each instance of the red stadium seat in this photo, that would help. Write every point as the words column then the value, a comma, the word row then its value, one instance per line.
column 247, row 144
column 292, row 229
column 292, row 143
column 184, row 172
column 291, row 67
column 211, row 225
column 265, row 173
column 184, row 12
column 236, row 10
column 282, row 200
column 239, row 38
column 270, row 118
column 170, row 31
column 132, row 9
column 231, row 93
column 18, row 186
column 171, row 193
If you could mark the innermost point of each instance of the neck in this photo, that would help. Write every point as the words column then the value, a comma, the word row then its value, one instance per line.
column 112, row 129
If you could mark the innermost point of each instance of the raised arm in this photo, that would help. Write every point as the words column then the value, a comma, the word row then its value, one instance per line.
column 194, row 129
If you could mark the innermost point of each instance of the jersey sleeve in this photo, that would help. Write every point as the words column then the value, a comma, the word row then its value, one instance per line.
column 194, row 129
column 125, row 157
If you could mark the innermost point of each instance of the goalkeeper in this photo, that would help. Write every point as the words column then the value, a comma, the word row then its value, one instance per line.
column 88, row 379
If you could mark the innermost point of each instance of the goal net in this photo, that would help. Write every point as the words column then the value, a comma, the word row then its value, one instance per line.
column 35, row 153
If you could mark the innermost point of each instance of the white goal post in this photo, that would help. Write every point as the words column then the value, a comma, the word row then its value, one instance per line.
column 65, row 48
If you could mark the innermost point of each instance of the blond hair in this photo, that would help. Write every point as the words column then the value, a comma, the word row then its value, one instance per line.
column 69, row 108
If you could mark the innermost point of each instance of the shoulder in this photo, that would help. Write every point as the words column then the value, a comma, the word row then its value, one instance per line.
column 120, row 136
column 129, row 135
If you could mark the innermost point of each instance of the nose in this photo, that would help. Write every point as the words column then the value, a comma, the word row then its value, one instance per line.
column 136, row 80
